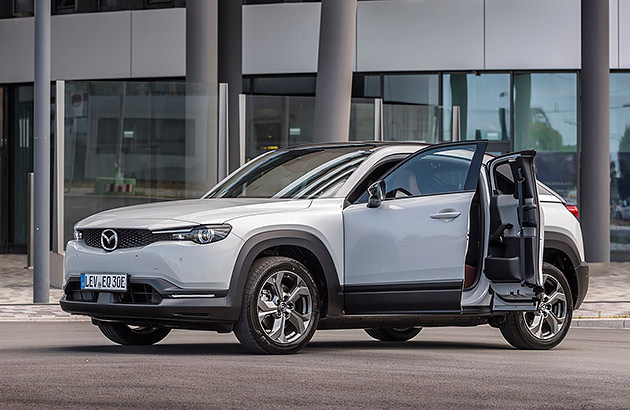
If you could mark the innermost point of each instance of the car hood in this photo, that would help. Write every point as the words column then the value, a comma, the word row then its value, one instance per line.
column 174, row 214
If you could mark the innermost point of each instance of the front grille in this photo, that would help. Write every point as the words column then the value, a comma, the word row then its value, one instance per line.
column 137, row 294
column 127, row 238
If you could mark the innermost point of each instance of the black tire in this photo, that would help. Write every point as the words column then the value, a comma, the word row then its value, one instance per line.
column 516, row 327
column 394, row 334
column 132, row 335
column 254, row 333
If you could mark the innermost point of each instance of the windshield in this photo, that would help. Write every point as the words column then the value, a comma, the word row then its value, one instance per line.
column 298, row 173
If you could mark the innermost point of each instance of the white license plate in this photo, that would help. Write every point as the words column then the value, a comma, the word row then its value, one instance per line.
column 113, row 282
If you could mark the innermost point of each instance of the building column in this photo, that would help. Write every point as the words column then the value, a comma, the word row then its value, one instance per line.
column 201, row 41
column 201, row 68
column 231, row 68
column 337, row 38
column 41, row 157
column 595, row 131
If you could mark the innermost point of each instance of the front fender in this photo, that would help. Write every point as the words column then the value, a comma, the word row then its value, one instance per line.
column 258, row 243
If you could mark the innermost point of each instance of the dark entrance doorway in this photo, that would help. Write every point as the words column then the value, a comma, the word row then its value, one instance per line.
column 16, row 161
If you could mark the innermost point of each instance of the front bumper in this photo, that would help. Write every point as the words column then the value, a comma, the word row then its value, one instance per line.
column 581, row 273
column 153, row 301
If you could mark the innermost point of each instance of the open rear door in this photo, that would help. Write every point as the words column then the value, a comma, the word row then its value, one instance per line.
column 514, row 261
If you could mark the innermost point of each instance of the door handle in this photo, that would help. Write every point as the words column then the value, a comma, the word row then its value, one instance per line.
column 446, row 215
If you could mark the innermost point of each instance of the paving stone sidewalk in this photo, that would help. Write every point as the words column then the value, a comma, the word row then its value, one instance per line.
column 608, row 295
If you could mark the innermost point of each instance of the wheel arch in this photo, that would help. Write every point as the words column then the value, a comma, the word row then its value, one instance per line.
column 560, row 251
column 306, row 248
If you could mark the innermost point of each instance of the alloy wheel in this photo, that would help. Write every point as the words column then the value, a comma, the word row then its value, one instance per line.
column 285, row 307
column 550, row 317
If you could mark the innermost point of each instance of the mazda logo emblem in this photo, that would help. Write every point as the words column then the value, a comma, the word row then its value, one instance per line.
column 109, row 240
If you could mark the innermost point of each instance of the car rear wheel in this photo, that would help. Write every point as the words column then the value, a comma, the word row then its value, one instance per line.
column 124, row 334
column 394, row 334
column 280, row 307
column 548, row 326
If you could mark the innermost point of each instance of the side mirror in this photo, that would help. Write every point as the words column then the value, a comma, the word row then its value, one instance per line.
column 376, row 193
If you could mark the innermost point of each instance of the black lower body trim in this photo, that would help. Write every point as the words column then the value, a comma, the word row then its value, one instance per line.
column 182, row 313
column 404, row 298
column 581, row 272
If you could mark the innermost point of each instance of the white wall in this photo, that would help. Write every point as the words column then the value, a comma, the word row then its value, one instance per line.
column 158, row 43
column 98, row 44
column 280, row 38
column 624, row 33
column 17, row 38
column 394, row 35
column 147, row 43
column 614, row 33
column 533, row 34
column 420, row 35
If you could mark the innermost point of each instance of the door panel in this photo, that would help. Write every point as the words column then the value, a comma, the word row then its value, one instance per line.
column 514, row 262
column 401, row 241
column 407, row 255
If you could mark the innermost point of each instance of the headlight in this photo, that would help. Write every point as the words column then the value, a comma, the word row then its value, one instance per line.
column 203, row 234
column 78, row 235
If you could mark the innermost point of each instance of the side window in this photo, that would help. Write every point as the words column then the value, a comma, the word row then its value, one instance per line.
column 438, row 171
column 360, row 194
column 504, row 179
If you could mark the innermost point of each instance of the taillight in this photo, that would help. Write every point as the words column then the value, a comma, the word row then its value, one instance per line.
column 573, row 209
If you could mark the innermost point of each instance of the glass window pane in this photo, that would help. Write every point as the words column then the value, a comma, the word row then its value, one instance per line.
column 372, row 86
column 299, row 174
column 484, row 101
column 620, row 161
column 65, row 4
column 437, row 171
column 129, row 143
column 108, row 4
column 23, row 7
column 284, row 85
column 411, row 89
column 545, row 119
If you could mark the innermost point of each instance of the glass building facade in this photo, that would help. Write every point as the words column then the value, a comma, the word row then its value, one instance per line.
column 620, row 162
column 513, row 110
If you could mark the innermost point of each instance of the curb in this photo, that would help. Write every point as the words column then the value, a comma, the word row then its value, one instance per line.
column 604, row 323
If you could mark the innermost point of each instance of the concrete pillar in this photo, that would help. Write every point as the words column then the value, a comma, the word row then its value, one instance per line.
column 337, row 34
column 201, row 113
column 41, row 157
column 231, row 68
column 201, row 41
column 595, row 148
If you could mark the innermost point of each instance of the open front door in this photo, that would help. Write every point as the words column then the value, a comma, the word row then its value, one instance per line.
column 405, row 250
column 514, row 261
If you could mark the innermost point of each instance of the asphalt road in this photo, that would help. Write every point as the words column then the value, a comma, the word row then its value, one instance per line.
column 70, row 365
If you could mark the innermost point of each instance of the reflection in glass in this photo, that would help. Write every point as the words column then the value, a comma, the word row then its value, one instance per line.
column 128, row 143
column 438, row 171
column 21, row 161
column 620, row 161
column 274, row 122
column 297, row 174
column 410, row 111
column 409, row 122
column 411, row 89
column 484, row 101
column 545, row 119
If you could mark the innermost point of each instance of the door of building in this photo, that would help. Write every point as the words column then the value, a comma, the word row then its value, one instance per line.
column 16, row 160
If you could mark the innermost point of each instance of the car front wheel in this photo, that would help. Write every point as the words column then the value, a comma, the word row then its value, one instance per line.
column 548, row 326
column 280, row 307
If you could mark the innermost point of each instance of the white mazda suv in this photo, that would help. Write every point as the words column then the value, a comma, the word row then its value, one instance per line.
column 387, row 237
